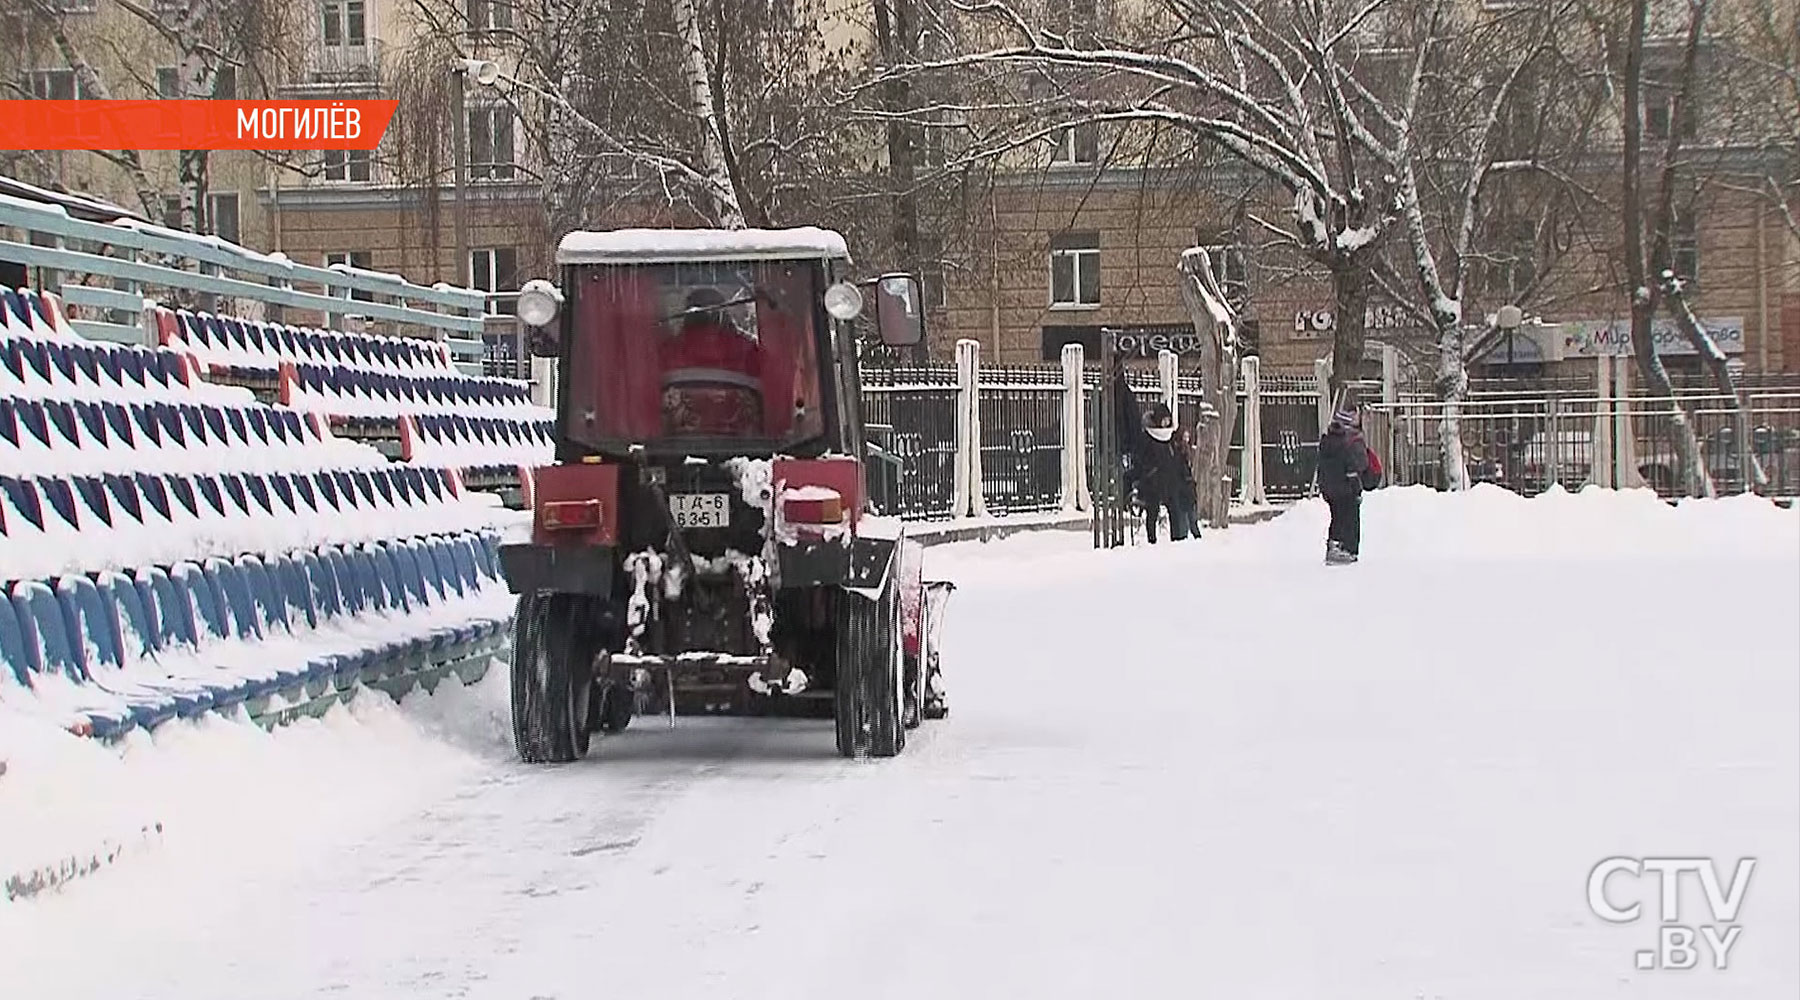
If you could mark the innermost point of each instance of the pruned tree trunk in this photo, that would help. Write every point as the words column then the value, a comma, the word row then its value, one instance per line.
column 1217, row 326
column 1350, row 280
column 727, row 208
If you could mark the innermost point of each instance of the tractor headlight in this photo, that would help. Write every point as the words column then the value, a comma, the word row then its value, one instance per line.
column 843, row 301
column 538, row 302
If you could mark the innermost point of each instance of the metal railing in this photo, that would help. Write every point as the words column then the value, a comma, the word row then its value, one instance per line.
column 915, row 409
column 105, row 272
column 1528, row 444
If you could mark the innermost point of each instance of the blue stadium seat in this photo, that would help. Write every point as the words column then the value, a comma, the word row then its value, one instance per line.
column 349, row 585
column 210, row 617
column 322, row 584
column 48, row 649
column 290, row 573
column 235, row 591
column 13, row 655
column 446, row 566
column 170, row 606
column 128, row 622
column 388, row 572
column 270, row 602
column 40, row 614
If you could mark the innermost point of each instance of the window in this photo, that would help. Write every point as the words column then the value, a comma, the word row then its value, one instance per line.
column 168, row 86
column 682, row 363
column 1661, row 112
column 347, row 165
column 1684, row 249
column 171, row 212
column 222, row 215
column 1075, row 270
column 344, row 23
column 354, row 258
column 1076, row 144
column 490, row 15
column 56, row 85
column 491, row 143
column 495, row 270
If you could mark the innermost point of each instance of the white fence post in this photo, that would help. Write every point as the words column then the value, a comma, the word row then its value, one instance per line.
column 967, row 497
column 1168, row 373
column 1250, row 460
column 1625, row 472
column 1074, row 431
column 1322, row 379
column 1601, row 461
column 543, row 381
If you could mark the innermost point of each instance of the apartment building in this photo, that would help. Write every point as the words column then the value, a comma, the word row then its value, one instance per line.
column 1068, row 239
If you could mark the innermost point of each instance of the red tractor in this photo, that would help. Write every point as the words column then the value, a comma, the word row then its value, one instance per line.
column 718, row 533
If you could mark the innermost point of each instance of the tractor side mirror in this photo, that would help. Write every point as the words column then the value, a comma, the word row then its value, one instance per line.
column 899, row 310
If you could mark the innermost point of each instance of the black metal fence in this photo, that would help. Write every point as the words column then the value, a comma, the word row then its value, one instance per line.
column 1021, row 438
column 1521, row 434
column 912, row 413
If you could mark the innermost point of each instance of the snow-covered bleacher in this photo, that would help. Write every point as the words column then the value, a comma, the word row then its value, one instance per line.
column 170, row 546
column 402, row 395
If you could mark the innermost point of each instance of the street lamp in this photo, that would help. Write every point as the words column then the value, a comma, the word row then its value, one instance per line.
column 485, row 73
column 1508, row 318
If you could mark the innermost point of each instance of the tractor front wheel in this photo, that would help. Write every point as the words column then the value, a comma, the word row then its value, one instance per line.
column 555, row 640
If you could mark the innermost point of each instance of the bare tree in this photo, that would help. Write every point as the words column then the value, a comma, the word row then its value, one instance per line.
column 668, row 110
column 249, row 38
column 1648, row 220
column 1277, row 89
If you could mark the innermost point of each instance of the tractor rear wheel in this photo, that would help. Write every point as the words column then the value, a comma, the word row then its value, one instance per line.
column 555, row 639
column 870, row 676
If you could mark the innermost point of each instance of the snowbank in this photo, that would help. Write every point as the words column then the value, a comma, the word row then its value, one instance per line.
column 223, row 793
column 1415, row 525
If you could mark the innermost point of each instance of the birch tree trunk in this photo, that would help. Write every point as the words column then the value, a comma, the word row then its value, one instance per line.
column 89, row 82
column 727, row 208
column 1717, row 365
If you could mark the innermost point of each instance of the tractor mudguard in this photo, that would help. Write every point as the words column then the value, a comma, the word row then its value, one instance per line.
column 564, row 569
column 861, row 562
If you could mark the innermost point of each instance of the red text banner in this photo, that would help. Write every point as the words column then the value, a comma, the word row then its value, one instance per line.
column 271, row 125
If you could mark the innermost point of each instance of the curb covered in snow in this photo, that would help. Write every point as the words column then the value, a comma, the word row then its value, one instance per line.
column 994, row 529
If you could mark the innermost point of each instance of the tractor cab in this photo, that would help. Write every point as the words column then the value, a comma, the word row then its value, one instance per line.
column 717, row 531
column 703, row 343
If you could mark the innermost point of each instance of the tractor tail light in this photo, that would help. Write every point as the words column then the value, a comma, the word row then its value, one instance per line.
column 813, row 506
column 570, row 515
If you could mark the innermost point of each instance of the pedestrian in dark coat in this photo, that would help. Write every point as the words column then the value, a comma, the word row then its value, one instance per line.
column 1165, row 479
column 1343, row 463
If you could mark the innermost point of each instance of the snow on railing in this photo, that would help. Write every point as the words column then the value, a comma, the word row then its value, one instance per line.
column 107, row 272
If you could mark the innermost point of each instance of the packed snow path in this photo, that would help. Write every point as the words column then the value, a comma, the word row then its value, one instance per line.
column 1218, row 769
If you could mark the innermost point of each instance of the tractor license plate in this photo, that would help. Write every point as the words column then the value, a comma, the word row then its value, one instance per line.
column 701, row 510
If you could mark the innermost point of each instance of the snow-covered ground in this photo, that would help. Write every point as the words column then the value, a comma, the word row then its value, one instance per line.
column 1213, row 769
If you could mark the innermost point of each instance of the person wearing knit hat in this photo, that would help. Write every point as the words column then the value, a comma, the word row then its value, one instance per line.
column 1165, row 479
column 1344, row 465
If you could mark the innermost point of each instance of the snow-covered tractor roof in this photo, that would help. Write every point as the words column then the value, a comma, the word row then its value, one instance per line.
column 672, row 246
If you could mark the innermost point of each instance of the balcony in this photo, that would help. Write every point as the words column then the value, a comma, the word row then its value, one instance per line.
column 345, row 63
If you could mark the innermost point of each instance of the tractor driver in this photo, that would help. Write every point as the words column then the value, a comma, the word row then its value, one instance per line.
column 711, row 373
